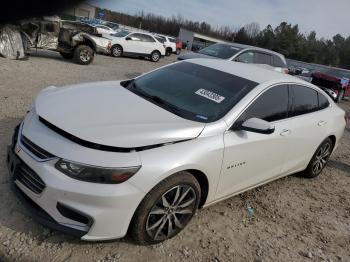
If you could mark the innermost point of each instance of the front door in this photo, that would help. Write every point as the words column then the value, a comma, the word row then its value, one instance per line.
column 252, row 158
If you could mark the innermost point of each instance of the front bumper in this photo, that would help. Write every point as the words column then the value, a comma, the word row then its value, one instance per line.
column 87, row 210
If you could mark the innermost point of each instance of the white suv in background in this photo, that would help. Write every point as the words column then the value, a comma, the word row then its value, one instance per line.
column 170, row 44
column 138, row 44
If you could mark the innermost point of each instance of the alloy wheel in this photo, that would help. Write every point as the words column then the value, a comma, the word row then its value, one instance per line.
column 85, row 56
column 117, row 51
column 155, row 56
column 321, row 158
column 171, row 212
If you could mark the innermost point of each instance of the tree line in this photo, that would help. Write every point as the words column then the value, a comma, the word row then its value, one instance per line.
column 284, row 38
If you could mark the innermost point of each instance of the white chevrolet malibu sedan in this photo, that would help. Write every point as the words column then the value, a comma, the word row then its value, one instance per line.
column 100, row 160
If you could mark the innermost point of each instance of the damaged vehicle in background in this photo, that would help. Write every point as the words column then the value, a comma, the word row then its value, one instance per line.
column 335, row 82
column 73, row 40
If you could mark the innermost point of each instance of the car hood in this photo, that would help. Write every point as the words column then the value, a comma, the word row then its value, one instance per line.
column 108, row 114
column 194, row 55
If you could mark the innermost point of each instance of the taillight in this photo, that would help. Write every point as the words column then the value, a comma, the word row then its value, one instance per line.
column 164, row 46
column 286, row 71
column 109, row 45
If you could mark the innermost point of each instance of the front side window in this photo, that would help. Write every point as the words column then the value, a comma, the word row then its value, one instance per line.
column 261, row 58
column 271, row 106
column 223, row 51
column 192, row 91
column 121, row 34
column 246, row 57
column 305, row 100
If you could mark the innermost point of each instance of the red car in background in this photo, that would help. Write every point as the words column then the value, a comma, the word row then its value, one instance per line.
column 335, row 82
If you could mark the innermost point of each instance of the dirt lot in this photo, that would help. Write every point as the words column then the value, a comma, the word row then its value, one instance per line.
column 294, row 219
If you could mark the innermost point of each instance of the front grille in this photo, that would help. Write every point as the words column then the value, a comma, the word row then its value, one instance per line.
column 26, row 176
column 35, row 150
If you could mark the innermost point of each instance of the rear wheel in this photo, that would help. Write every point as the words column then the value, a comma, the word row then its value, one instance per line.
column 168, row 51
column 319, row 159
column 83, row 55
column 155, row 56
column 116, row 50
column 166, row 209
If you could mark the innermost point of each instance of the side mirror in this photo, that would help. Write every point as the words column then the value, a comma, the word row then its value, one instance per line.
column 128, row 38
column 257, row 125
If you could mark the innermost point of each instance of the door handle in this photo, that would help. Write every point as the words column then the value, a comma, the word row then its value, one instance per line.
column 321, row 123
column 285, row 132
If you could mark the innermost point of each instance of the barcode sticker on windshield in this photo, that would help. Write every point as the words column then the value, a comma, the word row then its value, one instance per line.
column 210, row 95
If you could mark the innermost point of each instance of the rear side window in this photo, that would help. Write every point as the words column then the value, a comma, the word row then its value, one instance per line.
column 147, row 38
column 172, row 40
column 277, row 61
column 261, row 58
column 322, row 101
column 270, row 106
column 305, row 100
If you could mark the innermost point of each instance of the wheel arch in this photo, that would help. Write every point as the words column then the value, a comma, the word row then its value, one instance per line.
column 203, row 182
column 334, row 140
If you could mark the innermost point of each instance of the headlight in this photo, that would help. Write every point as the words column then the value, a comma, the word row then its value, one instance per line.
column 95, row 174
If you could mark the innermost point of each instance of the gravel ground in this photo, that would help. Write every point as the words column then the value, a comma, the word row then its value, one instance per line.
column 294, row 219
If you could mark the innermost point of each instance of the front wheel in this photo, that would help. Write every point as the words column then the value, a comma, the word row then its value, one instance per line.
column 166, row 209
column 116, row 50
column 178, row 51
column 83, row 55
column 155, row 56
column 319, row 159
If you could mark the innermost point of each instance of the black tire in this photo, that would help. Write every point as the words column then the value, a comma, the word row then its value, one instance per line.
column 340, row 96
column 67, row 55
column 83, row 55
column 116, row 51
column 319, row 160
column 178, row 51
column 175, row 185
column 168, row 51
column 155, row 56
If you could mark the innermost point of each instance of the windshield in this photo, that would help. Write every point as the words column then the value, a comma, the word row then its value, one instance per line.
column 121, row 34
column 220, row 50
column 338, row 73
column 192, row 91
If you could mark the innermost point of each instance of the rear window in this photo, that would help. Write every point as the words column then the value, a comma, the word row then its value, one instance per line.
column 222, row 51
column 192, row 91
column 277, row 61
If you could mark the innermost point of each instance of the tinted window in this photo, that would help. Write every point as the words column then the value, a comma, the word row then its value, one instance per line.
column 147, row 38
column 305, row 100
column 136, row 37
column 121, row 34
column 261, row 58
column 160, row 39
column 272, row 105
column 246, row 57
column 322, row 101
column 277, row 61
column 223, row 51
column 192, row 91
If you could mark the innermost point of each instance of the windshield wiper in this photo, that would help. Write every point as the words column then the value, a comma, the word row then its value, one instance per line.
column 158, row 100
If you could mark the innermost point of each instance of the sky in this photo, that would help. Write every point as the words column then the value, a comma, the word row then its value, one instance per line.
column 326, row 17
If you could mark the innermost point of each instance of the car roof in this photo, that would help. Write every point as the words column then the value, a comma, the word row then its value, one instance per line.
column 242, row 46
column 251, row 72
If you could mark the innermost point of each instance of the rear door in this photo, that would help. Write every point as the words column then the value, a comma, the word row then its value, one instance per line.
column 251, row 158
column 148, row 44
column 308, row 126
